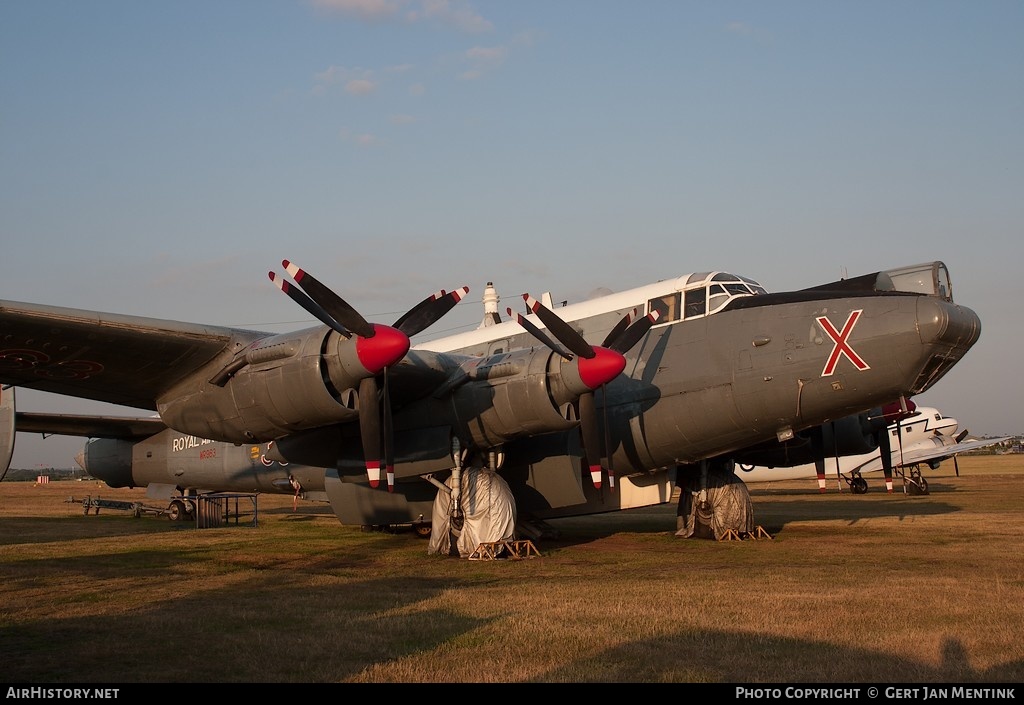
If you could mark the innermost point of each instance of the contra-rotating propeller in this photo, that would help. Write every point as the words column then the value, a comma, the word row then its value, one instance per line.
column 377, row 348
column 597, row 365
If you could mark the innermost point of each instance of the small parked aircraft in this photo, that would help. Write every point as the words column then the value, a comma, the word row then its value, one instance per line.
column 705, row 368
column 923, row 437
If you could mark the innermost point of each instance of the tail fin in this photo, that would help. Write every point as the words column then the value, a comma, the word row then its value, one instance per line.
column 6, row 429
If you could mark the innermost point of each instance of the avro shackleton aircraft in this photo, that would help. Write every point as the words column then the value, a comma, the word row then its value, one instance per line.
column 922, row 437
column 702, row 369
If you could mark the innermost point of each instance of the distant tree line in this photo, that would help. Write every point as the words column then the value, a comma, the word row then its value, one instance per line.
column 1013, row 445
column 30, row 475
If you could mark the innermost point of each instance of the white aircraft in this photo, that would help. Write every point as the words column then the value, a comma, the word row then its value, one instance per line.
column 924, row 437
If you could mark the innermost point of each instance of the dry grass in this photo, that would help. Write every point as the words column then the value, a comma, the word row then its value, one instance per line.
column 868, row 588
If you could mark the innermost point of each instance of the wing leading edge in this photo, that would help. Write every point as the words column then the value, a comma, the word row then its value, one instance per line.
column 120, row 359
column 922, row 454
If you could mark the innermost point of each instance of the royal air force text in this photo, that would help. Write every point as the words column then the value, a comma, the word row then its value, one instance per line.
column 186, row 442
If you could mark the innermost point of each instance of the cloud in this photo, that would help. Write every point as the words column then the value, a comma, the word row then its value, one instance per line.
column 452, row 13
column 488, row 55
column 356, row 81
column 359, row 86
column 457, row 14
column 362, row 139
column 483, row 59
column 368, row 10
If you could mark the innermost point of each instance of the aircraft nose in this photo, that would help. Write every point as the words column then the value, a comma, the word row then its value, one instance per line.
column 949, row 330
column 944, row 323
column 949, row 427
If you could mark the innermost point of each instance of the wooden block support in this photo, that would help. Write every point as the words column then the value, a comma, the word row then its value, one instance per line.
column 756, row 534
column 494, row 550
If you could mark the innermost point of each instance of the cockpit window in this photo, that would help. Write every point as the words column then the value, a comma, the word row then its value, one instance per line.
column 696, row 277
column 930, row 278
column 695, row 303
column 710, row 292
column 718, row 296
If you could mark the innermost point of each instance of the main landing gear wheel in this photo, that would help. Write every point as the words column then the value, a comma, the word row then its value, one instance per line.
column 917, row 485
column 422, row 530
column 177, row 511
column 859, row 485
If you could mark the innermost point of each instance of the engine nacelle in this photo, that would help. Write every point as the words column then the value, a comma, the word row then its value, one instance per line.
column 515, row 394
column 110, row 460
column 278, row 385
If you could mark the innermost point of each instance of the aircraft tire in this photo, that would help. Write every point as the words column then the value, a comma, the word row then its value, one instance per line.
column 177, row 511
column 917, row 487
column 422, row 530
column 859, row 486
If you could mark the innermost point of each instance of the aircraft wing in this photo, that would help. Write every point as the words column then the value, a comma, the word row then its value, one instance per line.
column 114, row 358
column 134, row 428
column 938, row 449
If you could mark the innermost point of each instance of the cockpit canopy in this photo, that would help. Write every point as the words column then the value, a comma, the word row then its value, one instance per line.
column 702, row 294
column 930, row 278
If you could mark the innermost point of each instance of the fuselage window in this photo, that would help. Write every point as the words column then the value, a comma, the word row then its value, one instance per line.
column 668, row 306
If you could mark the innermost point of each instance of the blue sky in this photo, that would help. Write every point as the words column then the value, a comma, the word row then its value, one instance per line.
column 159, row 158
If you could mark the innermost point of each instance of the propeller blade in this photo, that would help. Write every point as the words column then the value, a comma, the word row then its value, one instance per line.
column 563, row 332
column 885, row 451
column 590, row 436
column 330, row 302
column 377, row 348
column 618, row 329
column 956, row 466
column 302, row 299
column 389, row 437
column 599, row 367
column 632, row 335
column 539, row 334
column 596, row 367
column 607, row 438
column 835, row 454
column 818, row 451
column 429, row 311
column 369, row 428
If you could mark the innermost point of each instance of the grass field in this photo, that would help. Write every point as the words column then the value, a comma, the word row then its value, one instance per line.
column 850, row 589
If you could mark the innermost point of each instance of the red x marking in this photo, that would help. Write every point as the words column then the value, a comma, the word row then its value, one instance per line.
column 841, row 347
